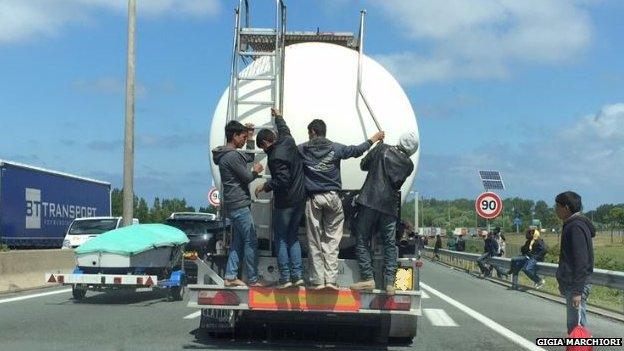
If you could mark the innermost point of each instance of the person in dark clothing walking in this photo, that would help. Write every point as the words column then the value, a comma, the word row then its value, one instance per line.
column 287, row 185
column 576, row 257
column 460, row 245
column 437, row 246
column 235, row 178
column 324, row 212
column 533, row 251
column 378, row 203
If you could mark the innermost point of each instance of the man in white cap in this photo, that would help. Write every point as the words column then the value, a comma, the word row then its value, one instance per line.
column 378, row 205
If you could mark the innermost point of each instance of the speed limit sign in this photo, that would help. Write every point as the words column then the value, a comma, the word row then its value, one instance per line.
column 213, row 197
column 489, row 205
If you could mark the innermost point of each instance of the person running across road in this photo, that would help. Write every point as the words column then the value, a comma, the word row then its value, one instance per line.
column 533, row 251
column 235, row 178
column 576, row 257
column 287, row 185
column 378, row 205
column 324, row 212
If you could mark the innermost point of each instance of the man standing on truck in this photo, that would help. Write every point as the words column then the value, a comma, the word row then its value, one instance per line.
column 324, row 213
column 378, row 206
column 235, row 178
column 287, row 185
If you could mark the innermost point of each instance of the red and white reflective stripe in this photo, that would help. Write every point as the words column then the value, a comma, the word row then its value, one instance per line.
column 102, row 279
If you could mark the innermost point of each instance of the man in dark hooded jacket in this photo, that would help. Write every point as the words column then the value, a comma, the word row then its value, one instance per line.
column 576, row 257
column 378, row 204
column 235, row 176
column 324, row 212
column 287, row 185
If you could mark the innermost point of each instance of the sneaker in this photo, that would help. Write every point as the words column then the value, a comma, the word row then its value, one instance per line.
column 332, row 286
column 540, row 284
column 390, row 289
column 234, row 282
column 283, row 285
column 316, row 287
column 363, row 285
column 299, row 282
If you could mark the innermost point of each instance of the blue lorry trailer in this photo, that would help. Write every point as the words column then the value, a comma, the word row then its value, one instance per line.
column 37, row 205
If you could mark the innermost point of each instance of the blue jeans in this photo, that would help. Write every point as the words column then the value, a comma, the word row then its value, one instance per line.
column 517, row 263
column 244, row 245
column 572, row 314
column 370, row 221
column 288, row 248
column 530, row 269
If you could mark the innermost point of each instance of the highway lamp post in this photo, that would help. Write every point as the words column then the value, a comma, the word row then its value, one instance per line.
column 128, row 172
column 416, row 204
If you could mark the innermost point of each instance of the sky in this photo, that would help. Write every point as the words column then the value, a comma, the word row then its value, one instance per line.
column 532, row 88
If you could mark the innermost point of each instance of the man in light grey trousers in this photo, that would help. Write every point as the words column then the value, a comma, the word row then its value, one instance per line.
column 324, row 213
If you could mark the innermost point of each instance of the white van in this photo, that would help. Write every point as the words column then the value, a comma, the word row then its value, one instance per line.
column 83, row 229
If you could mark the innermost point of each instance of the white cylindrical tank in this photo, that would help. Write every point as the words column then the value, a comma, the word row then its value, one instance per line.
column 320, row 82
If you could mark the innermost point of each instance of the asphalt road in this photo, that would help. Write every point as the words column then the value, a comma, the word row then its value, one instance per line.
column 461, row 312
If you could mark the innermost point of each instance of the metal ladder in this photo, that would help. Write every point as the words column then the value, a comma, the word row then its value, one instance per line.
column 251, row 44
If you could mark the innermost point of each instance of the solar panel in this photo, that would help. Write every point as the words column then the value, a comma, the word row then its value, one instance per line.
column 490, row 175
column 492, row 180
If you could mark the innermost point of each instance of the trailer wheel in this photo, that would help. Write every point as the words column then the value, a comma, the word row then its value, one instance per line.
column 78, row 293
column 177, row 293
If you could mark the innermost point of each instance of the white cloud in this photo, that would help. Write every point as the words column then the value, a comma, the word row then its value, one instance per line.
column 483, row 38
column 584, row 156
column 21, row 20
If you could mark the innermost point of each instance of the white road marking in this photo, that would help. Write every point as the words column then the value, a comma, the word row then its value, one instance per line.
column 519, row 340
column 424, row 295
column 193, row 315
column 439, row 318
column 26, row 297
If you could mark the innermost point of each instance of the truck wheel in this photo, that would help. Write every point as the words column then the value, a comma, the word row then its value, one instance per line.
column 78, row 293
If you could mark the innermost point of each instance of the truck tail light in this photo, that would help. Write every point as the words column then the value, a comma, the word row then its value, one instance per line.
column 396, row 302
column 226, row 298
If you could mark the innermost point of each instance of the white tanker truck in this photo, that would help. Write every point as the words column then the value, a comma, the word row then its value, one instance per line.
column 309, row 75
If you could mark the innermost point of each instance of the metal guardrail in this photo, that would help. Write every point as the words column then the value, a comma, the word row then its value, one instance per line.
column 600, row 277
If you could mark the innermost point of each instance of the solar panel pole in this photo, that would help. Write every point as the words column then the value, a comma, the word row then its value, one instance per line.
column 128, row 172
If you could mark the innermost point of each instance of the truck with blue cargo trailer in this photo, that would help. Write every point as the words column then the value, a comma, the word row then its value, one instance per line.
column 37, row 205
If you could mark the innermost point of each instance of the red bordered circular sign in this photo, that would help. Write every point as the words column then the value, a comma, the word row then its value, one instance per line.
column 489, row 205
column 213, row 197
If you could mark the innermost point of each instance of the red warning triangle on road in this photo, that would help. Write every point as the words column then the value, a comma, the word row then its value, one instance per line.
column 51, row 279
column 149, row 281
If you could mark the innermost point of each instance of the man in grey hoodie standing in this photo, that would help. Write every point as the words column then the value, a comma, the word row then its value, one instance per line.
column 378, row 205
column 324, row 213
column 235, row 177
column 576, row 257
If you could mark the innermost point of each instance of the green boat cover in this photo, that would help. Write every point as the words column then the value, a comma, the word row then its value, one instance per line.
column 134, row 239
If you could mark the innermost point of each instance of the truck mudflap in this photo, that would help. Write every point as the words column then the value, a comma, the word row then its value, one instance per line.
column 299, row 299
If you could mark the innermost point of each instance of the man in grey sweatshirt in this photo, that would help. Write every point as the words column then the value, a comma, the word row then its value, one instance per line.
column 235, row 177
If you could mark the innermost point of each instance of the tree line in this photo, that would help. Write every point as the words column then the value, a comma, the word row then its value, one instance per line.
column 456, row 213
column 447, row 214
column 160, row 209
